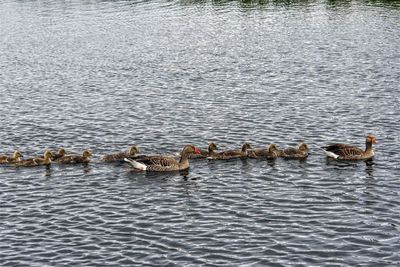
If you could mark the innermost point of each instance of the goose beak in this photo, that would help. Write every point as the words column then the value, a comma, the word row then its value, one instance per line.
column 374, row 141
column 196, row 151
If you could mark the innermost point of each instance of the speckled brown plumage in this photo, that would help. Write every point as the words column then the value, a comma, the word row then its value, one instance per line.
column 348, row 152
column 161, row 163
column 119, row 157
column 16, row 157
column 294, row 153
column 258, row 153
column 61, row 153
column 232, row 154
column 46, row 160
column 72, row 159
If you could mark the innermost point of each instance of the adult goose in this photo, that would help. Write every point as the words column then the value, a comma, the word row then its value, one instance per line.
column 46, row 160
column 75, row 158
column 121, row 155
column 347, row 152
column 261, row 153
column 164, row 163
column 16, row 157
column 61, row 153
column 232, row 154
column 294, row 153
column 205, row 153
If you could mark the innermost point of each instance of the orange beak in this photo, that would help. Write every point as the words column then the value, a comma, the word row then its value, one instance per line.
column 196, row 151
column 374, row 141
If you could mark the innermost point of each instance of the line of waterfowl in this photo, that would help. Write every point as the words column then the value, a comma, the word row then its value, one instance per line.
column 168, row 163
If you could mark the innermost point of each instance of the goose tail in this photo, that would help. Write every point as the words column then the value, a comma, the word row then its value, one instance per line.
column 136, row 165
column 329, row 153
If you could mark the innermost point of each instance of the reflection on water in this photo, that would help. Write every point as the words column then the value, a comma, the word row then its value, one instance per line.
column 369, row 169
column 48, row 171
column 248, row 4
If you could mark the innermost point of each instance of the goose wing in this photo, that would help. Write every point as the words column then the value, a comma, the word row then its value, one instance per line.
column 343, row 150
column 160, row 161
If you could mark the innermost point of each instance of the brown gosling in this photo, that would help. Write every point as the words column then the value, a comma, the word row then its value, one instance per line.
column 75, row 158
column 16, row 157
column 232, row 154
column 46, row 160
column 294, row 153
column 121, row 155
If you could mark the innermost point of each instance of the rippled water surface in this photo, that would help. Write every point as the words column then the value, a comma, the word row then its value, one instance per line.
column 103, row 75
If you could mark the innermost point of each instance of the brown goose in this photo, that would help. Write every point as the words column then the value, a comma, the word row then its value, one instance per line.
column 232, row 154
column 347, row 152
column 204, row 153
column 72, row 159
column 294, row 153
column 16, row 157
column 61, row 153
column 46, row 160
column 161, row 163
column 121, row 155
column 259, row 153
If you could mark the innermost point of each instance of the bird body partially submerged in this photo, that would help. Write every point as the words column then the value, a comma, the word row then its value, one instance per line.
column 294, row 153
column 348, row 152
column 16, row 157
column 75, row 158
column 259, row 153
column 46, row 160
column 232, row 154
column 164, row 163
column 121, row 155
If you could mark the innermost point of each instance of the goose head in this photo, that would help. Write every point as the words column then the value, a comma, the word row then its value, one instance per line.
column 246, row 146
column 133, row 150
column 303, row 146
column 212, row 146
column 48, row 154
column 17, row 155
column 272, row 148
column 370, row 139
column 189, row 149
column 62, row 152
column 86, row 153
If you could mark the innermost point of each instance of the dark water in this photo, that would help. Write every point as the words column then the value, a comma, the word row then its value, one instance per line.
column 103, row 75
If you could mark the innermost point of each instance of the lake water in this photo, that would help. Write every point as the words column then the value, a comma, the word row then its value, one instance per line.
column 103, row 75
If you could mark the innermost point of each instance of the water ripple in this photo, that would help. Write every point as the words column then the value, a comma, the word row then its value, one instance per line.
column 103, row 75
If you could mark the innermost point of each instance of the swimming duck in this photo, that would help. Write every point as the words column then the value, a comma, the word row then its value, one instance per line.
column 232, row 154
column 16, row 157
column 259, row 153
column 204, row 153
column 72, row 159
column 161, row 163
column 46, row 160
column 294, row 153
column 121, row 155
column 347, row 152
column 61, row 153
